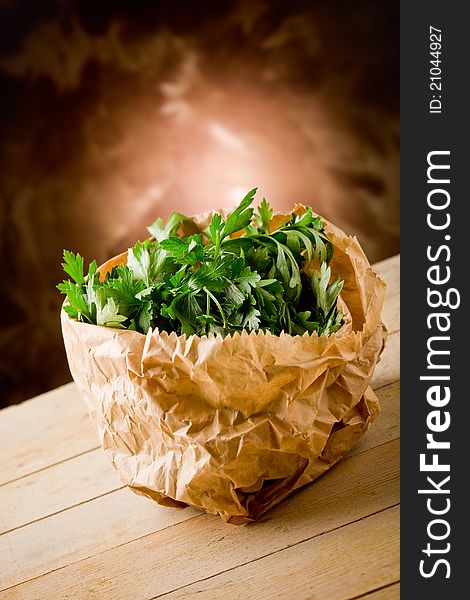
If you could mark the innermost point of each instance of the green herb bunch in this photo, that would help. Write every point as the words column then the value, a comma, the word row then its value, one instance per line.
column 213, row 282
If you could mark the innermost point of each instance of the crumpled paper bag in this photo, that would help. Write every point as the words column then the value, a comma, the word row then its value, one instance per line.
column 233, row 425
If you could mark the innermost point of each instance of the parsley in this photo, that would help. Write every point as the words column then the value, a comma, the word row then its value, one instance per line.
column 212, row 282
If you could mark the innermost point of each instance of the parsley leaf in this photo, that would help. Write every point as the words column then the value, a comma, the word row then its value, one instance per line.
column 240, row 217
column 264, row 216
column 73, row 266
column 253, row 281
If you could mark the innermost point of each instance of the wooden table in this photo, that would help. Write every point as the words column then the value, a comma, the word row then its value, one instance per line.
column 69, row 529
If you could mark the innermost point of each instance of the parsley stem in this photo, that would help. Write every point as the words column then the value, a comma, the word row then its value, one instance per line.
column 208, row 310
column 217, row 246
column 222, row 314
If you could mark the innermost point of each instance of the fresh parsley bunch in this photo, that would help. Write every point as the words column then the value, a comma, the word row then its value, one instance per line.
column 213, row 282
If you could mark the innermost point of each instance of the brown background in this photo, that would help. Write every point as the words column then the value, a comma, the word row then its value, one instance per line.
column 115, row 113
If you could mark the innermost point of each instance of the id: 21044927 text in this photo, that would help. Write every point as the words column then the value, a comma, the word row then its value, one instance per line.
column 435, row 71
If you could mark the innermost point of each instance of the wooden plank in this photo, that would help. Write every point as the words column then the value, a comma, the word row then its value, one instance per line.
column 390, row 592
column 338, row 565
column 389, row 271
column 91, row 528
column 388, row 369
column 82, row 531
column 44, row 431
column 90, row 475
column 162, row 561
column 61, row 486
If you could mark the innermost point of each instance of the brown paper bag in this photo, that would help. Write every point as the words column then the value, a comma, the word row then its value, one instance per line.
column 233, row 425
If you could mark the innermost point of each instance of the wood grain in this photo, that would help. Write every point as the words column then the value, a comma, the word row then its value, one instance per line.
column 316, row 567
column 44, row 431
column 389, row 592
column 81, row 531
column 60, row 487
column 388, row 369
column 356, row 487
column 99, row 525
column 389, row 271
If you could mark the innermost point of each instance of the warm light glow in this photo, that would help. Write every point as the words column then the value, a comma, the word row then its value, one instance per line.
column 228, row 139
